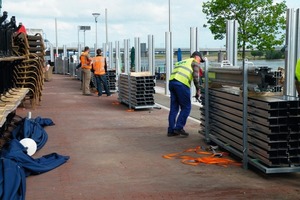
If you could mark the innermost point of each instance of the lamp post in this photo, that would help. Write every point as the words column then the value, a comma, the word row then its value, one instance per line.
column 96, row 15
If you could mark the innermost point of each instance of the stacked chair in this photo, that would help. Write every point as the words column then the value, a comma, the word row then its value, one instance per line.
column 21, row 72
column 29, row 73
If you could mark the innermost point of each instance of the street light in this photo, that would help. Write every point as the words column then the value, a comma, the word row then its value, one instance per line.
column 96, row 15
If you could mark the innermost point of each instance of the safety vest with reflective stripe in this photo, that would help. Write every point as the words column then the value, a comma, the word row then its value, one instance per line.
column 297, row 70
column 98, row 65
column 183, row 72
column 85, row 63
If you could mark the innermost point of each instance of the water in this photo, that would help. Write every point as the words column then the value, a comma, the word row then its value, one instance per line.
column 160, row 64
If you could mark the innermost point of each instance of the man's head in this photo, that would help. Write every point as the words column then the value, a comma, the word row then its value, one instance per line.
column 98, row 51
column 86, row 49
column 198, row 56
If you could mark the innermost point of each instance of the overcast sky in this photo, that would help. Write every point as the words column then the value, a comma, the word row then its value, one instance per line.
column 126, row 19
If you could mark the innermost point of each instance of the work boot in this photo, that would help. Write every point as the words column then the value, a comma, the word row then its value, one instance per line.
column 181, row 132
column 171, row 134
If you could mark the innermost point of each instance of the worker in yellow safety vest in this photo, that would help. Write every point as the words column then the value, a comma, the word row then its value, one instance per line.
column 184, row 73
column 86, row 67
column 100, row 69
column 297, row 77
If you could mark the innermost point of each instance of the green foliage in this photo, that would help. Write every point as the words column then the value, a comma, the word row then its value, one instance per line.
column 271, row 54
column 261, row 22
column 257, row 53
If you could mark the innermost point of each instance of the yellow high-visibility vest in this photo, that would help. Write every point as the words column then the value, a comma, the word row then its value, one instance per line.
column 183, row 72
column 297, row 70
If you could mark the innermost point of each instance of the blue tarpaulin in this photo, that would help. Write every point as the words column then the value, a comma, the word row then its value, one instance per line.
column 17, row 152
column 12, row 180
column 33, row 128
column 16, row 164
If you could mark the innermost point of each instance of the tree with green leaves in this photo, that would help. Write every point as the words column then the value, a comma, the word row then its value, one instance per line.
column 257, row 53
column 261, row 22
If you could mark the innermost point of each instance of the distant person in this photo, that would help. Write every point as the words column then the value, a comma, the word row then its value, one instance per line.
column 179, row 85
column 100, row 70
column 86, row 66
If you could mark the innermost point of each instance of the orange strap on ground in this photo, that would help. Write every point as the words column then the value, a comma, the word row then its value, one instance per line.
column 209, row 158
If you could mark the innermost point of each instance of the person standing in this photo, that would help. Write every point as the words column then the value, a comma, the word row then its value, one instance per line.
column 100, row 69
column 86, row 66
column 179, row 85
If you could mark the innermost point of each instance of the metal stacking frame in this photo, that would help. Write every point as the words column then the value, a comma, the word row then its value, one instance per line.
column 267, row 138
column 137, row 90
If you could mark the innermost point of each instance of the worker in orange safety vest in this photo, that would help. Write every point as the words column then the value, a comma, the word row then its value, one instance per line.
column 86, row 67
column 100, row 69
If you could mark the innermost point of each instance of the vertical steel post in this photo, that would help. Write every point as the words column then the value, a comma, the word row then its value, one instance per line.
column 206, row 103
column 235, row 42
column 126, row 56
column 78, row 43
column 291, row 57
column 169, row 59
column 193, row 39
column 137, row 54
column 56, row 53
column 95, row 49
column 110, row 55
column 106, row 29
column 193, row 47
column 118, row 60
column 51, row 53
column 64, row 59
column 245, row 115
column 231, row 41
column 151, row 54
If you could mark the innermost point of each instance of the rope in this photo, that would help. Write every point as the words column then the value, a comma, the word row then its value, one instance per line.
column 206, row 157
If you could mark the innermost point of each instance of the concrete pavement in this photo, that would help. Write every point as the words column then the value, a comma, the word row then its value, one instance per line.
column 117, row 154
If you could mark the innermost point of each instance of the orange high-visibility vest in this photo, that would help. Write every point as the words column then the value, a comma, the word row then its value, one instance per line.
column 85, row 63
column 98, row 65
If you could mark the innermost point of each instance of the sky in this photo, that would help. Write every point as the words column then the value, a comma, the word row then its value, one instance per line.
column 126, row 19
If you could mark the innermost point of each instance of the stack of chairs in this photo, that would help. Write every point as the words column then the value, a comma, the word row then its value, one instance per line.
column 21, row 72
column 10, row 97
column 29, row 73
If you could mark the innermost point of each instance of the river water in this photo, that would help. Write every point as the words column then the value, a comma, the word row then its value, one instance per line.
column 273, row 64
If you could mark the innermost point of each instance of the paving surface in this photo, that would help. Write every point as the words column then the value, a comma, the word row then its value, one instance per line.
column 117, row 154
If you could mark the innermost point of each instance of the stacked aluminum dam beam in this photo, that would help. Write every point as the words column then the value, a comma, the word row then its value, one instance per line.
column 111, row 80
column 273, row 131
column 260, row 78
column 137, row 89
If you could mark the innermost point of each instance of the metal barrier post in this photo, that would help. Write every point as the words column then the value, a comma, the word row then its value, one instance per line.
column 151, row 54
column 169, row 59
column 137, row 54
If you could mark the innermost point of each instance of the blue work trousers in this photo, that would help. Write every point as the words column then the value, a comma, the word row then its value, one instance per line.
column 180, row 99
column 102, row 79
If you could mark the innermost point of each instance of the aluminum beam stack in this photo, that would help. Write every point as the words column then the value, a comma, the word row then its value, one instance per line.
column 273, row 126
column 111, row 80
column 136, row 90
